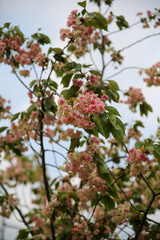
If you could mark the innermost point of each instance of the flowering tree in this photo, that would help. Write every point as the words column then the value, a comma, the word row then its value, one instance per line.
column 109, row 180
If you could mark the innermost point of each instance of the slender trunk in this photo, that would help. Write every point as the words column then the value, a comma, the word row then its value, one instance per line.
column 44, row 166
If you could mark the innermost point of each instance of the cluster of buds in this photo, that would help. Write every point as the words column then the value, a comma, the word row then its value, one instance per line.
column 150, row 17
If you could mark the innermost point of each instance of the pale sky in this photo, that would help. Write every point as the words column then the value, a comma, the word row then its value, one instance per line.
column 51, row 15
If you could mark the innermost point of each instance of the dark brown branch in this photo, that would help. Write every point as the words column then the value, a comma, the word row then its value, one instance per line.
column 47, row 189
column 139, row 210
column 144, row 218
column 95, row 207
column 120, row 175
column 147, row 183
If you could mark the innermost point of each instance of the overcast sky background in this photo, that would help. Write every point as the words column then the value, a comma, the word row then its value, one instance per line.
column 51, row 15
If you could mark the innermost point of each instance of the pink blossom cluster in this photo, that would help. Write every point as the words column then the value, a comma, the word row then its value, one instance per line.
column 96, row 183
column 94, row 79
column 121, row 213
column 80, row 163
column 27, row 57
column 12, row 45
column 81, row 231
column 89, row 103
column 77, row 82
column 81, row 35
column 67, row 115
column 135, row 96
column 153, row 74
column 93, row 145
column 78, row 114
column 139, row 161
column 70, row 133
column 24, row 128
column 85, row 194
column 10, row 42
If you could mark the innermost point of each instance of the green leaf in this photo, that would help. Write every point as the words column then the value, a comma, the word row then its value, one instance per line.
column 67, row 67
column 112, row 119
column 82, row 4
column 19, row 33
column 121, row 22
column 105, row 124
column 113, row 84
column 7, row 25
column 53, row 84
column 53, row 181
column 15, row 116
column 71, row 48
column 67, row 94
column 76, row 66
column 50, row 105
column 120, row 123
column 75, row 142
column 65, row 234
column 95, row 73
column 156, row 152
column 144, row 108
column 108, row 202
column 98, row 124
column 55, row 50
column 23, row 234
column 137, row 124
column 117, row 133
column 31, row 109
column 66, row 79
column 102, row 169
column 2, row 129
column 77, row 76
column 97, row 20
column 32, row 83
column 112, row 94
column 112, row 110
column 41, row 38
column 138, row 145
column 36, row 88
column 113, row 192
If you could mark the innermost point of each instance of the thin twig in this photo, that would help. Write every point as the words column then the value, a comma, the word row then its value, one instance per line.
column 50, row 150
column 147, row 183
column 55, row 141
column 117, row 31
column 139, row 210
column 14, row 71
column 122, row 70
column 142, row 39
